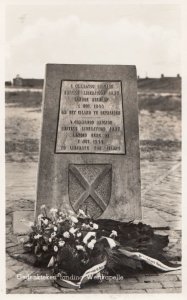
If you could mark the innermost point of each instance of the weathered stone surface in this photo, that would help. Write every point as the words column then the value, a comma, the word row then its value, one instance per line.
column 8, row 219
column 17, row 268
column 20, row 291
column 9, row 273
column 141, row 285
column 13, row 283
column 164, row 291
column 172, row 284
column 158, row 278
column 22, row 221
column 89, row 154
column 45, row 290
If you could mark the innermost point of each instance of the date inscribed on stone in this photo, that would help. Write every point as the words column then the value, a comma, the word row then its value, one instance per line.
column 90, row 118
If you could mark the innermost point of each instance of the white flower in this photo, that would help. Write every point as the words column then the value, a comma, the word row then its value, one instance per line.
column 53, row 234
column 46, row 221
column 88, row 235
column 53, row 210
column 62, row 213
column 114, row 233
column 74, row 219
column 43, row 206
column 60, row 220
column 55, row 248
column 86, row 226
column 66, row 234
column 73, row 230
column 50, row 240
column 37, row 236
column 40, row 217
column 79, row 234
column 91, row 244
column 61, row 243
column 71, row 212
column 45, row 248
column 82, row 213
column 80, row 247
column 55, row 228
column 95, row 226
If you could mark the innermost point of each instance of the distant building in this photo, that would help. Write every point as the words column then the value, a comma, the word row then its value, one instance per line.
column 17, row 81
column 8, row 83
column 28, row 82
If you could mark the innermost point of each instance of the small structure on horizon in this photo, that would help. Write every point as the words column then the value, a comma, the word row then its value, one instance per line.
column 17, row 81
column 8, row 83
column 27, row 82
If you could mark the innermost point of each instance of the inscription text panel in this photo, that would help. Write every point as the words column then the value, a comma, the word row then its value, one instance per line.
column 90, row 118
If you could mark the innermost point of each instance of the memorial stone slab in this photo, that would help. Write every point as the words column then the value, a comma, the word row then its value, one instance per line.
column 89, row 152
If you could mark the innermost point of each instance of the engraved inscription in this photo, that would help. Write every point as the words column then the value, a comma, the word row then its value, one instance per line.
column 90, row 118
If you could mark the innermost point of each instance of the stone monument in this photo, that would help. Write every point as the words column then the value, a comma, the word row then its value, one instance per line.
column 89, row 152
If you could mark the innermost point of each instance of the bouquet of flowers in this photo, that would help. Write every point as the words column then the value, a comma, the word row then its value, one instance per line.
column 75, row 244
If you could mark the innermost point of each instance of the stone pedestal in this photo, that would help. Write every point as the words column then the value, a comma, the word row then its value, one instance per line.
column 89, row 154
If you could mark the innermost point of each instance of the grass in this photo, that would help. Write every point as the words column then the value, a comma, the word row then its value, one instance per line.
column 150, row 102
column 169, row 103
column 24, row 146
column 24, row 98
column 166, row 84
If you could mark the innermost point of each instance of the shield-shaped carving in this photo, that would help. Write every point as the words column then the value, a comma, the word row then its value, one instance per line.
column 89, row 187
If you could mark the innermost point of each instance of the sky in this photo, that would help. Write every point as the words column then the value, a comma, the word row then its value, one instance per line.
column 147, row 36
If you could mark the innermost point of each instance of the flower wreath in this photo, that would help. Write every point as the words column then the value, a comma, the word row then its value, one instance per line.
column 80, row 248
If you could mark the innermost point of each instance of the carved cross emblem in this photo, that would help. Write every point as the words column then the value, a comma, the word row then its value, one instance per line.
column 90, row 187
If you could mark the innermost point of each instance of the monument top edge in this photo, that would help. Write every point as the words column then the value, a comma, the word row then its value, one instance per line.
column 91, row 65
column 91, row 71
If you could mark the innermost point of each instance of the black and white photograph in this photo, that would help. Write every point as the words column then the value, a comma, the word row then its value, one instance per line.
column 93, row 182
